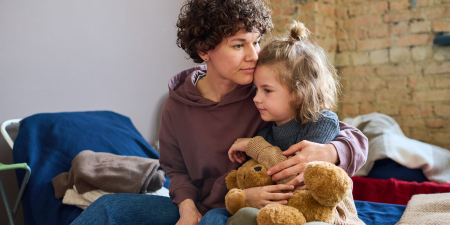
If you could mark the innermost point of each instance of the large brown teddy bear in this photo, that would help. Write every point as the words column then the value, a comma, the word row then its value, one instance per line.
column 327, row 186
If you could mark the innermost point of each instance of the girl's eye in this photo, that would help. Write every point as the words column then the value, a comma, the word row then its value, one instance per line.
column 257, row 43
column 238, row 46
column 267, row 90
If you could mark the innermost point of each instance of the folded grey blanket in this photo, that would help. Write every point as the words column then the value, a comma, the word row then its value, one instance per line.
column 112, row 173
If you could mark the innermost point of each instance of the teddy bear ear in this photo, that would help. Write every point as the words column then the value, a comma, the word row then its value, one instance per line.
column 231, row 180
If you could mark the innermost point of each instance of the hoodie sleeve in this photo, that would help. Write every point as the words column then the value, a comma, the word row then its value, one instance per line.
column 171, row 160
column 352, row 147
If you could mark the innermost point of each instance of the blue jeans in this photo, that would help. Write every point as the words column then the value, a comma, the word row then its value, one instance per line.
column 130, row 209
column 140, row 209
column 217, row 216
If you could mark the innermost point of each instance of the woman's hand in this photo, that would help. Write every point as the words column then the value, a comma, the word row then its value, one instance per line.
column 237, row 150
column 307, row 152
column 189, row 215
column 259, row 197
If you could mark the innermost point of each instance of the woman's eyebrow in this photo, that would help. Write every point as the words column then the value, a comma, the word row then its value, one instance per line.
column 239, row 39
column 243, row 39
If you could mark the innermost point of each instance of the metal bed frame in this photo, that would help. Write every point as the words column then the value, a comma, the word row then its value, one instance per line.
column 3, row 167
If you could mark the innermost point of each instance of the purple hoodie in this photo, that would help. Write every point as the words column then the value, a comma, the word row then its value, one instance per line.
column 196, row 134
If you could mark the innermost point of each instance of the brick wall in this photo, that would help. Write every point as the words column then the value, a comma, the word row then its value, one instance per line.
column 385, row 54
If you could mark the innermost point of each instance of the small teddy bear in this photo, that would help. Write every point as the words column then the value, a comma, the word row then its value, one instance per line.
column 327, row 184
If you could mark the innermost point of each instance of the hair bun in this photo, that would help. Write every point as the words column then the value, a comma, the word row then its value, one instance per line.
column 299, row 31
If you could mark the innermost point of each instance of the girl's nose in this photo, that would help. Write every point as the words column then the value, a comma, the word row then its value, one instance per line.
column 257, row 99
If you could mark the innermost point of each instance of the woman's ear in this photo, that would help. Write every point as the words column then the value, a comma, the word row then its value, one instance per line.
column 203, row 55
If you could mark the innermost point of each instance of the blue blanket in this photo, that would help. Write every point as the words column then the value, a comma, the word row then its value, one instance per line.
column 48, row 142
column 372, row 213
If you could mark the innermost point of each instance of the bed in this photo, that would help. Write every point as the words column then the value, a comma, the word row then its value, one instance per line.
column 48, row 142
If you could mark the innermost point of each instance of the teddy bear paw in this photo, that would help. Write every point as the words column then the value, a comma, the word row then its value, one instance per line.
column 276, row 214
column 235, row 200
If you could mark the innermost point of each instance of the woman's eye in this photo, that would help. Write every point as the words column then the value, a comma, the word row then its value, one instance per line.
column 256, row 43
column 238, row 46
column 267, row 90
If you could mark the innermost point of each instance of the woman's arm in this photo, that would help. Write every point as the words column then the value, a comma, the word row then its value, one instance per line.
column 181, row 189
column 352, row 147
column 348, row 150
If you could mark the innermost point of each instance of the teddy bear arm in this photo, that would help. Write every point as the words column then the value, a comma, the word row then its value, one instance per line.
column 264, row 153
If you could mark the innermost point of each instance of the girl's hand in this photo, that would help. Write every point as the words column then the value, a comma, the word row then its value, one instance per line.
column 307, row 152
column 189, row 215
column 237, row 150
column 259, row 197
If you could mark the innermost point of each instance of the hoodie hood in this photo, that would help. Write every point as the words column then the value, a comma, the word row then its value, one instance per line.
column 182, row 89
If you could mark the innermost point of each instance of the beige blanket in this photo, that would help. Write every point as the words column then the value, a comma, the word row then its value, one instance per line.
column 427, row 209
column 111, row 173
column 84, row 200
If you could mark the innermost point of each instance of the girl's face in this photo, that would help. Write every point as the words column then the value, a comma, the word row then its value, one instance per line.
column 234, row 59
column 272, row 99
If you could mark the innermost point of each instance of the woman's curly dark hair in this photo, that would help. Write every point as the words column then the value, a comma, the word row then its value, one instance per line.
column 202, row 24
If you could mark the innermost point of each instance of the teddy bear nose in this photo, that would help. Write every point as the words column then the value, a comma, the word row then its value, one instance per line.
column 258, row 168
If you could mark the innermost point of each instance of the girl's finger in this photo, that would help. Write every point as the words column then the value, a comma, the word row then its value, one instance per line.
column 280, row 196
column 230, row 156
column 279, row 187
column 264, row 203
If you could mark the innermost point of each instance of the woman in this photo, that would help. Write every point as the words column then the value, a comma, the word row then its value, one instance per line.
column 208, row 109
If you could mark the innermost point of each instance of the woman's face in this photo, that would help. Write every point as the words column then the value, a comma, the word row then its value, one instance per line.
column 234, row 59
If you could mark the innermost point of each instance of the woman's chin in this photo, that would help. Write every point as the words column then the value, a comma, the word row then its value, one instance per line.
column 245, row 81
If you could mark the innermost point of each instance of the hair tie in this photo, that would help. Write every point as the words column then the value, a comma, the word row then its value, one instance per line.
column 297, row 38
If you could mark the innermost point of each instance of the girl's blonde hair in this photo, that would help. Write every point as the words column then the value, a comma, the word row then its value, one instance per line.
column 304, row 68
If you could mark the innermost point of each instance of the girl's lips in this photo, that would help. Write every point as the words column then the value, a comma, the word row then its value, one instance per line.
column 261, row 110
column 248, row 70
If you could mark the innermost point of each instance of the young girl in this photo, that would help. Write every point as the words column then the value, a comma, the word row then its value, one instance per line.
column 296, row 88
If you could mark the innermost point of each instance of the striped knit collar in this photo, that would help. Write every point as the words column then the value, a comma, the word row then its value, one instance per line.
column 286, row 130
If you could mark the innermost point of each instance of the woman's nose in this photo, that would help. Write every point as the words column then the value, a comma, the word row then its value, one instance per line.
column 252, row 53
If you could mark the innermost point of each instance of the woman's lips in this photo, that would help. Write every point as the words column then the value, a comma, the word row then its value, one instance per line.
column 248, row 70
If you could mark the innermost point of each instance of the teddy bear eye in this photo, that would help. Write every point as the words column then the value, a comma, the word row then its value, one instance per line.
column 258, row 168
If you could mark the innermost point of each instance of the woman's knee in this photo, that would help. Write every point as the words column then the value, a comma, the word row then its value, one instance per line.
column 129, row 208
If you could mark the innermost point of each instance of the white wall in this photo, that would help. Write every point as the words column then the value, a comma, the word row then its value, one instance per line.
column 86, row 55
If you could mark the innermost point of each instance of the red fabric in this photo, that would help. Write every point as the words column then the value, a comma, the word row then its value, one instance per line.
column 393, row 191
